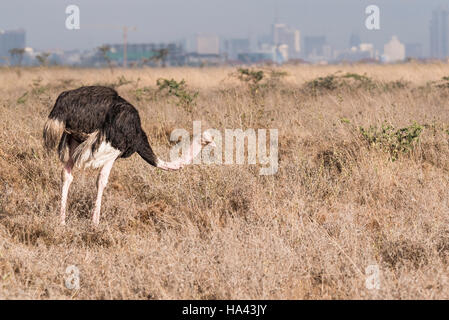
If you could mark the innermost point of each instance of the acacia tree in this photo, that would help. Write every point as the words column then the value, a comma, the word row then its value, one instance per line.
column 17, row 54
column 161, row 56
column 104, row 54
column 43, row 58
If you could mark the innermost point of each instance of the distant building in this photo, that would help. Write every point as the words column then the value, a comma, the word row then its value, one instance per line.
column 362, row 52
column 439, row 34
column 413, row 50
column 394, row 50
column 281, row 53
column 147, row 53
column 313, row 46
column 263, row 40
column 282, row 34
column 368, row 48
column 328, row 52
column 234, row 47
column 256, row 57
column 354, row 40
column 201, row 60
column 207, row 44
column 72, row 57
column 316, row 50
column 11, row 39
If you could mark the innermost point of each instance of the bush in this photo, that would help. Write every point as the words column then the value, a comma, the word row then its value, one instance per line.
column 256, row 80
column 443, row 83
column 328, row 83
column 352, row 81
column 335, row 81
column 186, row 99
column 394, row 141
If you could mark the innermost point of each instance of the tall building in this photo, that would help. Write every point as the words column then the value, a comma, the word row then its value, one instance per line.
column 280, row 53
column 394, row 50
column 11, row 39
column 234, row 47
column 439, row 34
column 282, row 34
column 313, row 46
column 207, row 44
column 354, row 40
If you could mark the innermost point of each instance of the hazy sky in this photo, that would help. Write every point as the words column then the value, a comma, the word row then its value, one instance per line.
column 168, row 20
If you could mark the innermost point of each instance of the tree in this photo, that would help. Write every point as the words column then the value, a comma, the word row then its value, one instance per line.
column 43, row 58
column 104, row 53
column 17, row 54
column 161, row 56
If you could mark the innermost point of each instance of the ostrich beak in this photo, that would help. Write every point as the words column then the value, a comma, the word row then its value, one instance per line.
column 207, row 140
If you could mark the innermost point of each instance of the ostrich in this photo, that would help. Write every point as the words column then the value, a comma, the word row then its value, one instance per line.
column 92, row 127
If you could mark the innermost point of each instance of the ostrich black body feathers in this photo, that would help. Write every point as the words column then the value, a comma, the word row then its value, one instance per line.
column 100, row 122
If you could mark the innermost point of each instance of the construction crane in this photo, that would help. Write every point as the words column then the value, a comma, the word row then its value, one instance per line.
column 125, row 44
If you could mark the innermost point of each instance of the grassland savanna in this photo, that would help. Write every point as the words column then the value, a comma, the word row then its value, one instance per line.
column 362, row 181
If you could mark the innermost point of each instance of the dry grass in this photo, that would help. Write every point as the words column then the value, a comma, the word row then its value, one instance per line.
column 336, row 205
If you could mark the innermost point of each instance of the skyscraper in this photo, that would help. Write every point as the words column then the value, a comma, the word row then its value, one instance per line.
column 313, row 46
column 394, row 50
column 234, row 47
column 207, row 44
column 284, row 35
column 439, row 34
column 354, row 40
column 11, row 39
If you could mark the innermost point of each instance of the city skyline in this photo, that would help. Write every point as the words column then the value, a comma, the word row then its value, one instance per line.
column 283, row 43
column 175, row 20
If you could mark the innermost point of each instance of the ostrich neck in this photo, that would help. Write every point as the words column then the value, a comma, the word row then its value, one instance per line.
column 194, row 150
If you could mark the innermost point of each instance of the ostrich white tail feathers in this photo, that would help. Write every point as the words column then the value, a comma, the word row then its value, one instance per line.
column 53, row 131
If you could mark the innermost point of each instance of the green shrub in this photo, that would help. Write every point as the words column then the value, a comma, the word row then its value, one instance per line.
column 257, row 80
column 336, row 81
column 328, row 83
column 443, row 83
column 37, row 87
column 251, row 77
column 121, row 81
column 397, row 84
column 392, row 140
column 143, row 93
column 23, row 98
column 349, row 80
column 186, row 98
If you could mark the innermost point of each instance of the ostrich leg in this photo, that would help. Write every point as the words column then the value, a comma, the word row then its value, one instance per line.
column 67, row 178
column 101, row 184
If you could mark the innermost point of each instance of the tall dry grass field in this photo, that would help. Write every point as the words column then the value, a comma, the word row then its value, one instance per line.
column 363, row 180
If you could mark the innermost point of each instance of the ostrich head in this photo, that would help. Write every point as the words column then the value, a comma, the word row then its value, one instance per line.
column 194, row 149
column 206, row 139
